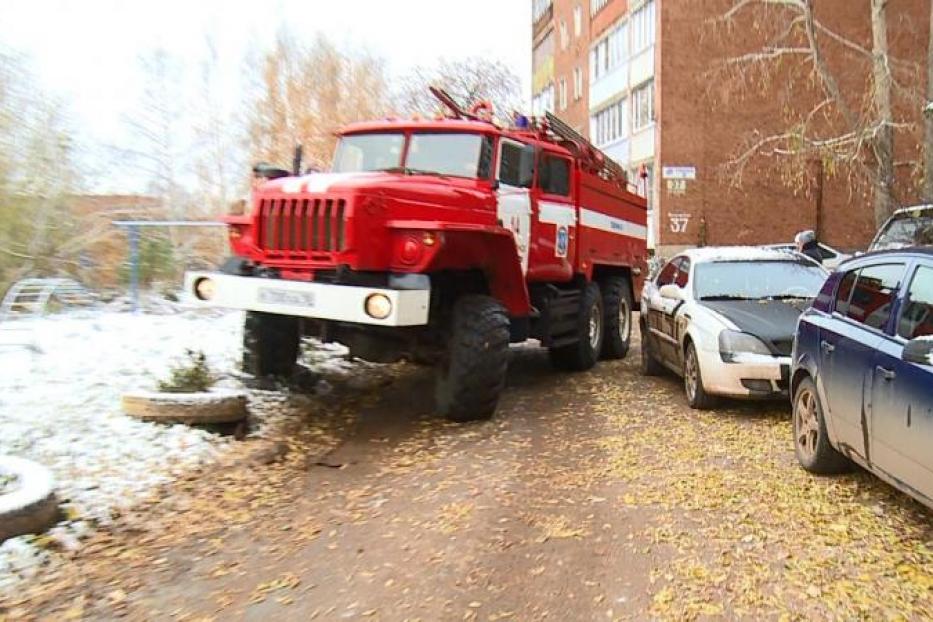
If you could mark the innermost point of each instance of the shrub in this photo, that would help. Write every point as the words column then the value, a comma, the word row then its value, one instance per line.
column 190, row 376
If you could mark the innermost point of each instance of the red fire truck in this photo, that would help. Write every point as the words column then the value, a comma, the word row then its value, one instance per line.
column 440, row 241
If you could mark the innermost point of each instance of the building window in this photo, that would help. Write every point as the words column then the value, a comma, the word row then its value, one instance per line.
column 610, row 124
column 577, row 83
column 643, row 106
column 609, row 52
column 564, row 37
column 577, row 20
column 597, row 5
column 563, row 94
column 643, row 27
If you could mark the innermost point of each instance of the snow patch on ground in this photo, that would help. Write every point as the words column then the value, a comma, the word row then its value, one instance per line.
column 60, row 406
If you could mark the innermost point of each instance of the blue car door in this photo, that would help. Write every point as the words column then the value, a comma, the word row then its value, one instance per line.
column 902, row 394
column 848, row 342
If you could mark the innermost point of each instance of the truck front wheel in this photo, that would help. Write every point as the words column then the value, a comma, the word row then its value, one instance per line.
column 471, row 374
column 270, row 344
column 582, row 354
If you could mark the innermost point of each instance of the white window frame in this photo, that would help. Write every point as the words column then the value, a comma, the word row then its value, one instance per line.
column 577, row 20
column 638, row 104
column 643, row 27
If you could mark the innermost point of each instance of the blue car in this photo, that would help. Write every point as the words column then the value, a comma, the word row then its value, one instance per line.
column 862, row 376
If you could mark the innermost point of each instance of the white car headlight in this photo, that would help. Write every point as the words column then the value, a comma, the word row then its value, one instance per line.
column 733, row 342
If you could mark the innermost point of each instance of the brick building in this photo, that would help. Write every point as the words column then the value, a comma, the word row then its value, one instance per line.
column 650, row 100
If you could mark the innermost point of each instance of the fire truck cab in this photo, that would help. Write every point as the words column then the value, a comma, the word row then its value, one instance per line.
column 441, row 242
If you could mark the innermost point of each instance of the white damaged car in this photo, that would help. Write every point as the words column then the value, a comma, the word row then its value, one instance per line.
column 724, row 319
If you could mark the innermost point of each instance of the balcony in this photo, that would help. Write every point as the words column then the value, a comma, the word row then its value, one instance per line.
column 642, row 66
column 541, row 22
column 609, row 86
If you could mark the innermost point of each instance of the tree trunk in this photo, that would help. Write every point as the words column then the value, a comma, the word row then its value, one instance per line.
column 884, row 138
column 927, row 191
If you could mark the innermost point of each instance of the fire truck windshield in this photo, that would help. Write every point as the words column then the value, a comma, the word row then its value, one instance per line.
column 431, row 153
column 368, row 152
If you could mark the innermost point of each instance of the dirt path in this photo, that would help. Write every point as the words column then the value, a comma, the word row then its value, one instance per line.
column 599, row 496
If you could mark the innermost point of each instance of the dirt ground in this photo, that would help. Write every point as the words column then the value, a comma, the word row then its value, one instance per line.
column 597, row 496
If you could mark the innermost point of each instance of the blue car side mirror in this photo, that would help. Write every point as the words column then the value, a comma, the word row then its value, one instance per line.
column 919, row 351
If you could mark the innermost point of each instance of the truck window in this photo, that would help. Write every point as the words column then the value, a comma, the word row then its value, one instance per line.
column 457, row 155
column 368, row 152
column 554, row 175
column 510, row 164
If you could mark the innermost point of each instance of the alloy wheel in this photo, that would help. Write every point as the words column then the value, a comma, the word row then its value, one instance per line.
column 691, row 374
column 806, row 424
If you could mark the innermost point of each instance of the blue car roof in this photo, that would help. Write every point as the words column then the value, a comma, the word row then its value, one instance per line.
column 914, row 251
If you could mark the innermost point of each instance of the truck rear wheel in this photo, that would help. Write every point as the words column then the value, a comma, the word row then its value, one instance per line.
column 471, row 375
column 582, row 354
column 270, row 344
column 617, row 300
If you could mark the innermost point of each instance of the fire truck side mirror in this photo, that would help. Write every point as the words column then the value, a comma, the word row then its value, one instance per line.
column 526, row 173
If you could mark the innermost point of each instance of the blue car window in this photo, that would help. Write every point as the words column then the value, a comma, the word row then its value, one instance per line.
column 874, row 293
column 917, row 317
column 845, row 292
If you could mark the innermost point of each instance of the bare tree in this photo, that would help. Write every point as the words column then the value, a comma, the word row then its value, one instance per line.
column 307, row 92
column 38, row 173
column 849, row 128
column 468, row 80
column 927, row 189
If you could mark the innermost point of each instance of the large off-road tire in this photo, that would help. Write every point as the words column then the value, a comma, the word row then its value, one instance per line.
column 697, row 397
column 270, row 344
column 32, row 507
column 649, row 364
column 617, row 317
column 582, row 355
column 811, row 441
column 217, row 406
column 471, row 375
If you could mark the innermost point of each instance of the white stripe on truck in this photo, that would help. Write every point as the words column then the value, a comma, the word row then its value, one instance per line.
column 556, row 214
column 604, row 222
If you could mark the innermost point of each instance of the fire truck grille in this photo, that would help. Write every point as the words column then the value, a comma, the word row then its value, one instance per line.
column 301, row 226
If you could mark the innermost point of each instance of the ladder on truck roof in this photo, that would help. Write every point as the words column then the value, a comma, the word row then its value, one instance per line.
column 604, row 165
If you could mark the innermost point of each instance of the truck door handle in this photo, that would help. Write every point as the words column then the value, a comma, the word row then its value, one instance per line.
column 827, row 347
column 887, row 374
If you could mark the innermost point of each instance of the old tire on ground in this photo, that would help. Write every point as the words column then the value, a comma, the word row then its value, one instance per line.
column 617, row 317
column 811, row 442
column 583, row 354
column 649, row 365
column 31, row 507
column 471, row 375
column 218, row 406
column 270, row 344
column 697, row 397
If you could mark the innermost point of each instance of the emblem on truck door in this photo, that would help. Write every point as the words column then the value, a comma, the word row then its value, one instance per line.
column 562, row 241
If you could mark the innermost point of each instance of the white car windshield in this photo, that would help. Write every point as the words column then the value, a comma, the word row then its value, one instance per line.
column 757, row 280
column 435, row 153
column 906, row 230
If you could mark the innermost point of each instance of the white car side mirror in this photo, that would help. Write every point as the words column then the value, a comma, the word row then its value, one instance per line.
column 671, row 291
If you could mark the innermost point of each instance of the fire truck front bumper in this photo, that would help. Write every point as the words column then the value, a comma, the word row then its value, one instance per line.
column 323, row 301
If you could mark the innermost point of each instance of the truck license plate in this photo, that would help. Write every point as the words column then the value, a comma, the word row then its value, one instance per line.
column 271, row 295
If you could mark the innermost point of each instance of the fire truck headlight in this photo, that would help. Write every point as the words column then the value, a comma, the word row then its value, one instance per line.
column 204, row 288
column 378, row 306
